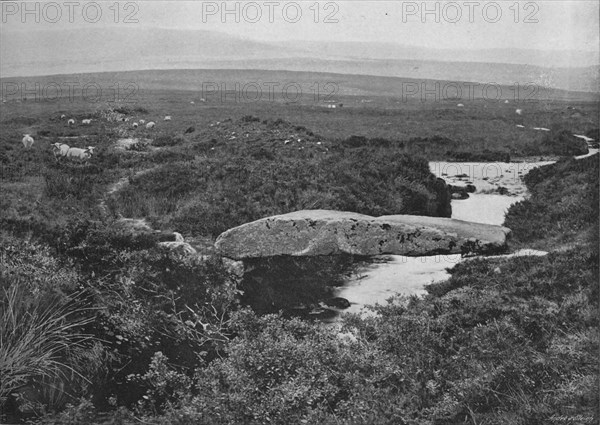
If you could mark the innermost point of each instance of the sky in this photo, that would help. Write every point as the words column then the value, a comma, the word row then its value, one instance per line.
column 544, row 25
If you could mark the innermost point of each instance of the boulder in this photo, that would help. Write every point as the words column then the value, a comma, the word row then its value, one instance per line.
column 337, row 302
column 459, row 196
column 323, row 232
column 459, row 192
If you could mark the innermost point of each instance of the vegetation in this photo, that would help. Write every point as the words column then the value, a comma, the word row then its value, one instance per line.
column 565, row 210
column 100, row 324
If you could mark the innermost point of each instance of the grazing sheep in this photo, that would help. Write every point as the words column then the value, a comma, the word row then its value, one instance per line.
column 541, row 129
column 168, row 118
column 150, row 125
column 135, row 125
column 519, row 112
column 520, row 126
column 80, row 153
column 460, row 105
column 192, row 102
column 27, row 141
column 142, row 122
column 71, row 122
column 63, row 116
column 60, row 149
column 86, row 122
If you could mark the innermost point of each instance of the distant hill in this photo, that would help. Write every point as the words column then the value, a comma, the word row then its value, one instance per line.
column 390, row 51
column 49, row 52
column 367, row 86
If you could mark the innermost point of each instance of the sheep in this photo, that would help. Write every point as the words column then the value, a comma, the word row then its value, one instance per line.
column 27, row 141
column 135, row 125
column 192, row 103
column 150, row 125
column 168, row 118
column 86, row 122
column 460, row 105
column 63, row 116
column 142, row 122
column 60, row 149
column 80, row 153
column 541, row 129
column 519, row 112
column 71, row 122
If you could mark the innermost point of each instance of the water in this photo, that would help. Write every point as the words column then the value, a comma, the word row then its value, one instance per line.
column 499, row 185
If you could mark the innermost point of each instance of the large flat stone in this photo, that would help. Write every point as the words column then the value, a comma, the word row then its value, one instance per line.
column 323, row 232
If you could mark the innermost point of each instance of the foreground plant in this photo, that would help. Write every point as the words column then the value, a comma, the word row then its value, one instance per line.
column 37, row 337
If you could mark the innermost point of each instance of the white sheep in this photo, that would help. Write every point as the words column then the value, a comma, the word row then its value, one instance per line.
column 168, row 118
column 27, row 141
column 60, row 149
column 86, row 122
column 142, row 122
column 135, row 125
column 71, row 122
column 460, row 105
column 519, row 112
column 63, row 116
column 80, row 153
column 150, row 125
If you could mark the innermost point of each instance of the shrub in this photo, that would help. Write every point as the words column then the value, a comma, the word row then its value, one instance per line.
column 39, row 338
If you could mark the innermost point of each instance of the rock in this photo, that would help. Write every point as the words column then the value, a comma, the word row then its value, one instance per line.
column 179, row 248
column 459, row 192
column 459, row 196
column 235, row 268
column 189, row 130
column 337, row 302
column 323, row 232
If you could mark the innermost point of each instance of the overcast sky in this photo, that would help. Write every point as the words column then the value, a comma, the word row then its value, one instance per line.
column 546, row 25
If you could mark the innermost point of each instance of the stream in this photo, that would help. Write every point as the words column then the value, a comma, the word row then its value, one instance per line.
column 499, row 185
